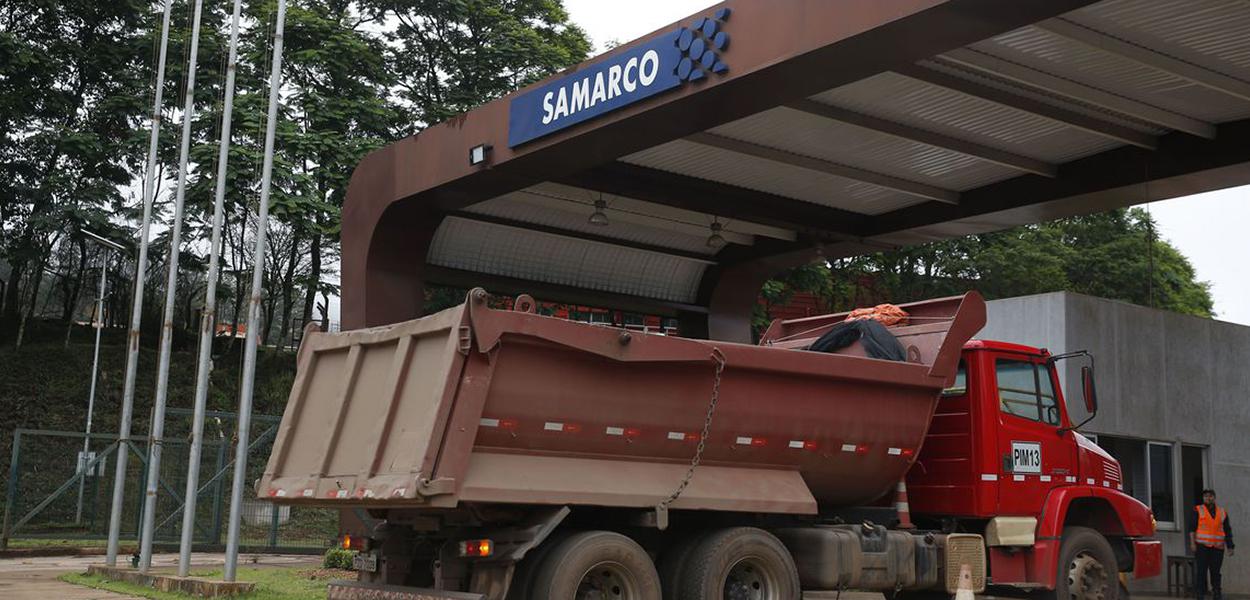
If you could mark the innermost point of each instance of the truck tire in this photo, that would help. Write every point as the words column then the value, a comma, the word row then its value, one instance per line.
column 597, row 565
column 1087, row 567
column 740, row 563
column 673, row 562
column 527, row 570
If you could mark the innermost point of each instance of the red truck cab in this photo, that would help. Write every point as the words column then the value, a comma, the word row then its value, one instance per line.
column 1003, row 457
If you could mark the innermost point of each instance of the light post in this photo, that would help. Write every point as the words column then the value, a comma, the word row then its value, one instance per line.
column 106, row 245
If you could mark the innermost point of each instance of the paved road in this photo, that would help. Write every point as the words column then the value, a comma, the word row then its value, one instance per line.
column 36, row 578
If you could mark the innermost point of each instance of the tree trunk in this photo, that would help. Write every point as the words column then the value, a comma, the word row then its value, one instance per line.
column 67, row 314
column 36, row 282
column 288, row 289
column 324, row 308
column 314, row 274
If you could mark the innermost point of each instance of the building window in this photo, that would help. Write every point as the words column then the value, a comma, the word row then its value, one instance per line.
column 1162, row 484
column 1148, row 474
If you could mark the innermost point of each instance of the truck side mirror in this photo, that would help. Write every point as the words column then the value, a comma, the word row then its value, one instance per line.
column 1087, row 386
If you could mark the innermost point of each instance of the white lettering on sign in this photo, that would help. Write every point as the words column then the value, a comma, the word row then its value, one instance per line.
column 589, row 91
column 1026, row 457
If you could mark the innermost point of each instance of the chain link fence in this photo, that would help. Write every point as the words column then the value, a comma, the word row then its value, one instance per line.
column 47, row 499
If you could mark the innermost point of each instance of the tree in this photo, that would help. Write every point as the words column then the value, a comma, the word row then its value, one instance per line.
column 452, row 55
column 71, row 92
column 1114, row 255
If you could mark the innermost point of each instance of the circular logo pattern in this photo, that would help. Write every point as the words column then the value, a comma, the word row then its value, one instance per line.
column 700, row 44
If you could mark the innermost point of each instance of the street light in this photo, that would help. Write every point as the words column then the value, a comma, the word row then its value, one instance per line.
column 98, row 323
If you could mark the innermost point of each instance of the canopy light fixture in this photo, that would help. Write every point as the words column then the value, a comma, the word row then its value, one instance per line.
column 478, row 154
column 716, row 240
column 599, row 218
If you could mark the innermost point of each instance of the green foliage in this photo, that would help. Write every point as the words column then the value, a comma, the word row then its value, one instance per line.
column 1114, row 255
column 75, row 91
column 814, row 278
column 452, row 55
column 338, row 558
column 292, row 583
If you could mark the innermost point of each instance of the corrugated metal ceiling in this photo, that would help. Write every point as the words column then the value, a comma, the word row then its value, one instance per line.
column 696, row 160
column 1212, row 33
column 524, row 254
column 521, row 207
column 1048, row 52
column 918, row 104
column 837, row 142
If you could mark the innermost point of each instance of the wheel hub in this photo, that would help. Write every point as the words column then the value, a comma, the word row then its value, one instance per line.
column 606, row 581
column 1087, row 578
column 748, row 581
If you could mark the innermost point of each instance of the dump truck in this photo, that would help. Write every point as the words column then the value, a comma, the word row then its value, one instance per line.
column 502, row 454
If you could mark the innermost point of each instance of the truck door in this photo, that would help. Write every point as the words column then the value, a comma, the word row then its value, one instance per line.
column 1033, row 458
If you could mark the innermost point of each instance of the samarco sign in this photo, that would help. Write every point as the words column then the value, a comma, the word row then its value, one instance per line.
column 659, row 65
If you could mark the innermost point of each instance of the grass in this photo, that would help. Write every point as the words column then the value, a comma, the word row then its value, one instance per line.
column 292, row 583
column 56, row 542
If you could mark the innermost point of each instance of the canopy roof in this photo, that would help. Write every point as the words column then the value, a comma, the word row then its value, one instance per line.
column 802, row 127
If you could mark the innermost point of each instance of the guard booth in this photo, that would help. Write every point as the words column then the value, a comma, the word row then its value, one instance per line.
column 674, row 174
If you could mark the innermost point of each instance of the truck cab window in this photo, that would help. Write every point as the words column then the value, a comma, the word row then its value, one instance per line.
column 1046, row 392
column 1025, row 391
column 960, row 386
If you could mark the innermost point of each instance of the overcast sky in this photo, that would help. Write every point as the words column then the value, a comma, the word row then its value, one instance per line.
column 1210, row 229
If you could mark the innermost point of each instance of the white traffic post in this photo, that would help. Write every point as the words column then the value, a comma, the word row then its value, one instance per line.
column 208, row 318
column 136, row 311
column 157, row 430
column 253, row 308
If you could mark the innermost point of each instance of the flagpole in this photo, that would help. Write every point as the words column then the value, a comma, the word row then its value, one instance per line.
column 208, row 318
column 157, row 428
column 136, row 311
column 253, row 308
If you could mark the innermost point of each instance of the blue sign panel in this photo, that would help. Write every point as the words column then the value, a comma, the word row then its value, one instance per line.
column 639, row 73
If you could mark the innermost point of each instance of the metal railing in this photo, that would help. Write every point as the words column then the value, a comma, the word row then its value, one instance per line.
column 45, row 473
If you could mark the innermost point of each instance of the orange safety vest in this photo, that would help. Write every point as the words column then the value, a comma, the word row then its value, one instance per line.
column 1210, row 531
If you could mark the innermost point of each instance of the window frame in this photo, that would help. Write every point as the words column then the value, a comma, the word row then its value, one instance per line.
column 1039, row 371
column 1164, row 522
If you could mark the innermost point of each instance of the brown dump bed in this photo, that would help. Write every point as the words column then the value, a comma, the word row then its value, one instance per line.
column 477, row 405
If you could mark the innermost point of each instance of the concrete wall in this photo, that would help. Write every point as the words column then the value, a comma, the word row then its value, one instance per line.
column 1161, row 376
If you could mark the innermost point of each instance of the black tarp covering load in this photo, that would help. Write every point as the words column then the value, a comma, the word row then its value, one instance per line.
column 877, row 340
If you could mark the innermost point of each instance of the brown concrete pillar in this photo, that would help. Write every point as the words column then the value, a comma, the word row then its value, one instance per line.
column 383, row 280
column 732, row 290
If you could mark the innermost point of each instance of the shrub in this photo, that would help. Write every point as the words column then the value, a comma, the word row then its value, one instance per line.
column 338, row 558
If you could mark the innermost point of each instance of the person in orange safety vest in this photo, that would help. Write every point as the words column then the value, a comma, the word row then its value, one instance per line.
column 1210, row 533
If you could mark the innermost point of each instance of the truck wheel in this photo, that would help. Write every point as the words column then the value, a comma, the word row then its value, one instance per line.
column 1087, row 567
column 597, row 565
column 527, row 570
column 743, row 563
column 673, row 562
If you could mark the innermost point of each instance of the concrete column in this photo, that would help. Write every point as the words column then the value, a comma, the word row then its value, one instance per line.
column 382, row 276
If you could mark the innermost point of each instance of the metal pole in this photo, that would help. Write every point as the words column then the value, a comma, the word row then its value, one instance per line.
column 10, row 498
column 95, row 366
column 204, row 366
column 136, row 312
column 171, row 301
column 253, row 307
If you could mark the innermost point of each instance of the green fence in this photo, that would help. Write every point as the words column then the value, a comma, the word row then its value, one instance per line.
column 51, row 495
